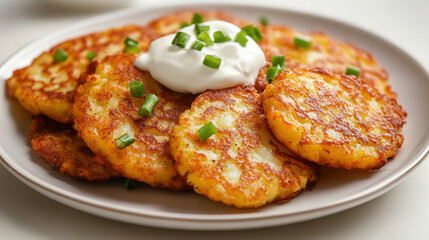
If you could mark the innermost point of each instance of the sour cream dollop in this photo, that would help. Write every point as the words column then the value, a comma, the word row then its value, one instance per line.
column 182, row 69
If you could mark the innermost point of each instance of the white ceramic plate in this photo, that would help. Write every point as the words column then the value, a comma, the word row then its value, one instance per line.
column 337, row 189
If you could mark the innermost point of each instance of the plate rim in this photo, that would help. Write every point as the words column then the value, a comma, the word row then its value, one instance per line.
column 364, row 196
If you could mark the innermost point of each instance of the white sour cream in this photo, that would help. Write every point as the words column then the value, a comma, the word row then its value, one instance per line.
column 182, row 69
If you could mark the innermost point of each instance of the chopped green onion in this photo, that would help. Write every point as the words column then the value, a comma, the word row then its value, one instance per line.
column 131, row 49
column 124, row 141
column 272, row 73
column 241, row 39
column 130, row 184
column 212, row 61
column 91, row 55
column 250, row 30
column 278, row 61
column 148, row 105
column 220, row 37
column 204, row 37
column 137, row 89
column 264, row 20
column 206, row 131
column 199, row 29
column 197, row 45
column 130, row 41
column 197, row 18
column 258, row 33
column 131, row 46
column 60, row 55
column 242, row 32
column 181, row 39
column 253, row 32
column 352, row 70
column 302, row 41
column 183, row 25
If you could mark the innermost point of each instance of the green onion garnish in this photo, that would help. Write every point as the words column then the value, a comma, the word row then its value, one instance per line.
column 272, row 73
column 137, row 89
column 206, row 131
column 148, row 105
column 181, row 39
column 264, row 20
column 91, row 55
column 131, row 49
column 130, row 41
column 220, row 37
column 250, row 30
column 241, row 39
column 131, row 46
column 253, row 32
column 302, row 41
column 199, row 29
column 197, row 45
column 197, row 18
column 242, row 32
column 60, row 55
column 183, row 24
column 212, row 61
column 124, row 141
column 130, row 184
column 278, row 61
column 352, row 70
column 204, row 37
column 258, row 33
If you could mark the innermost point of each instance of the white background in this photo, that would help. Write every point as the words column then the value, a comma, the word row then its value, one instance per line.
column 402, row 213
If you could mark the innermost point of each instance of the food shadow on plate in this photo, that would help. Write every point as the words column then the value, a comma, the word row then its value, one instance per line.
column 144, row 196
column 21, row 118
column 335, row 177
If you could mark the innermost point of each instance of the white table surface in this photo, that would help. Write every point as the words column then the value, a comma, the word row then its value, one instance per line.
column 402, row 213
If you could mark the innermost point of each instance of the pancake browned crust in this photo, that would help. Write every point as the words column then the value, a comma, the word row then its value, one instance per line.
column 327, row 53
column 59, row 145
column 104, row 110
column 46, row 87
column 334, row 121
column 242, row 164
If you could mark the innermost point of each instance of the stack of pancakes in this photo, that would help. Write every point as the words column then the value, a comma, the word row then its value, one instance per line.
column 271, row 139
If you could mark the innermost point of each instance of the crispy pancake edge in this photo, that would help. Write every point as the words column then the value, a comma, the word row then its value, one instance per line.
column 59, row 145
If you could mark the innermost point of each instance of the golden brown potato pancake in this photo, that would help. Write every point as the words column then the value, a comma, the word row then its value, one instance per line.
column 46, row 87
column 59, row 145
column 242, row 164
column 325, row 52
column 334, row 121
column 104, row 110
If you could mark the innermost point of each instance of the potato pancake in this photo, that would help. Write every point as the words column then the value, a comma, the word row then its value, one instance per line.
column 242, row 164
column 47, row 87
column 104, row 110
column 325, row 52
column 172, row 22
column 334, row 121
column 59, row 145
